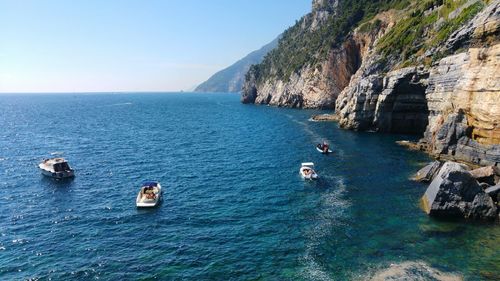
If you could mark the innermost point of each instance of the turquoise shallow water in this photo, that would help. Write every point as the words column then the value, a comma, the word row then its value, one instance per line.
column 234, row 205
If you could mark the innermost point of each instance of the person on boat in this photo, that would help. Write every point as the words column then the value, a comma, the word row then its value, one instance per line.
column 325, row 147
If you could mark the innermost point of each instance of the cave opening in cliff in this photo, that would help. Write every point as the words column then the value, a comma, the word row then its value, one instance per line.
column 402, row 105
column 410, row 112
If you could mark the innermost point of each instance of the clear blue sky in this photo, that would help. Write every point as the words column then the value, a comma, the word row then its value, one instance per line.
column 131, row 45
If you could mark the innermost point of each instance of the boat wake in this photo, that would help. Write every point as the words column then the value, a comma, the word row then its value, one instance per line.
column 57, row 153
column 316, row 137
column 118, row 104
column 332, row 212
column 308, row 130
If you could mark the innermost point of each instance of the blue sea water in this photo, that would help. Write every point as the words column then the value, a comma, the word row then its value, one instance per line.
column 234, row 205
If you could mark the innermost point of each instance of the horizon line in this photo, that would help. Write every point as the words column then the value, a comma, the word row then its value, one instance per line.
column 119, row 92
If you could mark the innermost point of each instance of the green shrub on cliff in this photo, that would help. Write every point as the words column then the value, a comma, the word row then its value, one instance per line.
column 450, row 26
column 301, row 46
column 428, row 25
column 423, row 26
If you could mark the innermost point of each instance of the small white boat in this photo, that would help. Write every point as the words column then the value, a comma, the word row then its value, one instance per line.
column 307, row 171
column 150, row 195
column 322, row 149
column 57, row 168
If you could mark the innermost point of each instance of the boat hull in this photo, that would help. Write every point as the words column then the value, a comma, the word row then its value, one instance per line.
column 323, row 152
column 58, row 175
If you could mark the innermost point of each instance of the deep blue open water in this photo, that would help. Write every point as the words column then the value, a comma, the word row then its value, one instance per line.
column 234, row 205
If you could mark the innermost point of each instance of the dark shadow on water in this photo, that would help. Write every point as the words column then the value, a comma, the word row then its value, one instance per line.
column 60, row 184
column 462, row 221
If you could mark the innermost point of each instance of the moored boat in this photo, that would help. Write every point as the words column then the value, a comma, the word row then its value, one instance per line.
column 307, row 171
column 57, row 168
column 150, row 195
column 323, row 148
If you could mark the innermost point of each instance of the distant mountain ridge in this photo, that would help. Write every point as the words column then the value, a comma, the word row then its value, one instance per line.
column 231, row 78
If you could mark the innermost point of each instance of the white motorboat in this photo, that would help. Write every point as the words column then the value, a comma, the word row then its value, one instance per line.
column 307, row 171
column 150, row 195
column 57, row 168
column 323, row 148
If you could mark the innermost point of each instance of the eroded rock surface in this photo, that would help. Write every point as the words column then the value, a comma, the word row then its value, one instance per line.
column 427, row 173
column 395, row 103
column 455, row 193
column 463, row 100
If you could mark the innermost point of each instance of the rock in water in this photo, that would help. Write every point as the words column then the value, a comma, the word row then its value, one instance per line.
column 493, row 192
column 488, row 174
column 324, row 117
column 426, row 174
column 455, row 193
column 415, row 271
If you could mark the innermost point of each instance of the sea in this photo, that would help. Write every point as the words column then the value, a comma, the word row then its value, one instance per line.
column 234, row 205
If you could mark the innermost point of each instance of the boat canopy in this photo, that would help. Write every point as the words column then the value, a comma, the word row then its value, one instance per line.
column 308, row 164
column 150, row 183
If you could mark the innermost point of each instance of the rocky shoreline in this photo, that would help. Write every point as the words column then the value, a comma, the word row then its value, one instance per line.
column 325, row 117
column 456, row 191
column 441, row 82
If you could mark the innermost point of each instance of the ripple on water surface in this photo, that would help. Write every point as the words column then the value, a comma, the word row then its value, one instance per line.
column 234, row 204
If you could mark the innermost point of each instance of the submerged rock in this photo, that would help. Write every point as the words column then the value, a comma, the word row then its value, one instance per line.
column 426, row 174
column 416, row 271
column 455, row 193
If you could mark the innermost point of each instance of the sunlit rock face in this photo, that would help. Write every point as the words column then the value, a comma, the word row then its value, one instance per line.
column 464, row 104
column 395, row 103
column 455, row 103
column 464, row 94
column 454, row 192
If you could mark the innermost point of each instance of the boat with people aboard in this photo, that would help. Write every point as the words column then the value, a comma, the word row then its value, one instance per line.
column 323, row 148
column 57, row 168
column 150, row 195
column 307, row 171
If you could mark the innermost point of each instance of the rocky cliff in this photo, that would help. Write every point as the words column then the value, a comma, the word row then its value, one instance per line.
column 454, row 101
column 314, row 87
column 464, row 94
column 314, row 60
column 422, row 67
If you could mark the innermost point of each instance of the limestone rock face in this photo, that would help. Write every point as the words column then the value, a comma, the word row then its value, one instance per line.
column 427, row 173
column 394, row 103
column 321, row 10
column 485, row 24
column 318, row 5
column 463, row 101
column 317, row 83
column 455, row 103
column 249, row 93
column 493, row 191
column 314, row 87
column 455, row 193
column 464, row 92
column 488, row 174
